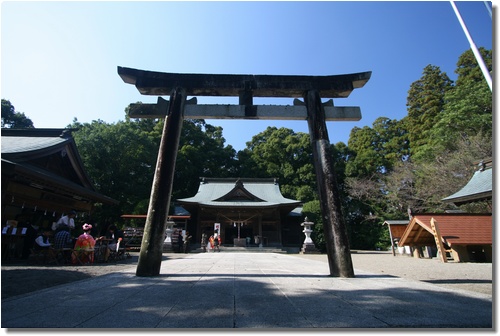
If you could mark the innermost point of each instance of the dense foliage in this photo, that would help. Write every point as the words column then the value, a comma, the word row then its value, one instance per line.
column 383, row 171
column 13, row 119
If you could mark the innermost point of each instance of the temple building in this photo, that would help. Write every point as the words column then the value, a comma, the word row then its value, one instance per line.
column 245, row 212
column 43, row 177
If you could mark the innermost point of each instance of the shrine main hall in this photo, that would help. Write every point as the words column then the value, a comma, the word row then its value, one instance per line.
column 246, row 212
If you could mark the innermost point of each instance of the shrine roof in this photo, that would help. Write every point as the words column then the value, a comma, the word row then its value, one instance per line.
column 479, row 187
column 242, row 192
column 25, row 152
column 28, row 142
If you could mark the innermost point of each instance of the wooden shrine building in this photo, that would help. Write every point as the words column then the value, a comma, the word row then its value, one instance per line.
column 247, row 211
column 462, row 236
column 465, row 237
column 43, row 177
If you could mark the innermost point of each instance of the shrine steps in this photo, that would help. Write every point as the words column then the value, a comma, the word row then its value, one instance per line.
column 252, row 249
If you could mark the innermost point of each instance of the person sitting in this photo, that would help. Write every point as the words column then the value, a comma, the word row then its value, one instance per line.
column 42, row 241
column 43, row 246
column 62, row 238
column 115, row 236
column 84, row 247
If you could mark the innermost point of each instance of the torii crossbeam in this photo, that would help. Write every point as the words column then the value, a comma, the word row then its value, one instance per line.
column 310, row 88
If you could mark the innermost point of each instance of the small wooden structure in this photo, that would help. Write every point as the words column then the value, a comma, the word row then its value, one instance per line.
column 465, row 237
column 396, row 230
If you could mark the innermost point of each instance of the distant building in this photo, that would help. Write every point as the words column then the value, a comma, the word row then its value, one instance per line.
column 244, row 208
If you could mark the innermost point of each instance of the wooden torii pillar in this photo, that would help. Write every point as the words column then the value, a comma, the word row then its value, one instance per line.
column 310, row 88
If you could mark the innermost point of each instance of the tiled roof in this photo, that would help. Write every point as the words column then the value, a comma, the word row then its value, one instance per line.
column 20, row 144
column 459, row 229
column 478, row 187
column 258, row 193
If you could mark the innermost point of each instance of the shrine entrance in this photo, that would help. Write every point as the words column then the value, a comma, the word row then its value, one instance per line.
column 310, row 88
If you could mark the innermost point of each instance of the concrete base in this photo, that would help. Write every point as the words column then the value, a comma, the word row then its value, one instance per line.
column 309, row 249
column 241, row 242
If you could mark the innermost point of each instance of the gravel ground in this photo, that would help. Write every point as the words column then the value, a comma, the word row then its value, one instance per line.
column 23, row 278
column 476, row 277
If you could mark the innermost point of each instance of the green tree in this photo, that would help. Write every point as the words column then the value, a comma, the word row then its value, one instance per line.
column 421, row 186
column 202, row 153
column 425, row 102
column 469, row 105
column 13, row 119
column 284, row 154
column 120, row 159
column 376, row 149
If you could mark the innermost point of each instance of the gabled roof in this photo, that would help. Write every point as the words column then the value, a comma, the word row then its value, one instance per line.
column 47, row 159
column 478, row 188
column 455, row 228
column 241, row 192
column 397, row 222
column 397, row 227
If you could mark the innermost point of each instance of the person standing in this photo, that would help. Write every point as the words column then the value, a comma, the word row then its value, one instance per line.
column 179, row 242
column 187, row 237
column 204, row 241
column 29, row 239
column 68, row 221
column 216, row 242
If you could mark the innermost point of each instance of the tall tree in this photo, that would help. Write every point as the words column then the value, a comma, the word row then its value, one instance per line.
column 469, row 105
column 377, row 149
column 13, row 119
column 202, row 153
column 284, row 154
column 120, row 160
column 425, row 102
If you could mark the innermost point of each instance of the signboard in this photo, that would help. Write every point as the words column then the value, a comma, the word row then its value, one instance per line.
column 217, row 228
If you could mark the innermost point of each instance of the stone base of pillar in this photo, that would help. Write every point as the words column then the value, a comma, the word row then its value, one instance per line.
column 167, row 247
column 309, row 249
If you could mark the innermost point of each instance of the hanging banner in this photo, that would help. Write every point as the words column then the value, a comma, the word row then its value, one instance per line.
column 217, row 228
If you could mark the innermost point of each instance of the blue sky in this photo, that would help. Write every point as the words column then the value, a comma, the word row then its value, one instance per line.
column 59, row 59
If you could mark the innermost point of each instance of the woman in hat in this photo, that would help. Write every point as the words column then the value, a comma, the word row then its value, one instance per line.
column 84, row 247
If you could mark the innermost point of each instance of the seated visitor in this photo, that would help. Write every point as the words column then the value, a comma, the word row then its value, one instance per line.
column 84, row 247
column 116, row 236
column 62, row 239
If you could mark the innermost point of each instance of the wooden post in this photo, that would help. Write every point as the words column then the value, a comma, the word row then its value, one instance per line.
column 337, row 243
column 149, row 263
column 439, row 241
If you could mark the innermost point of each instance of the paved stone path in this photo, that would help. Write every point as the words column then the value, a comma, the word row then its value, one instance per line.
column 252, row 291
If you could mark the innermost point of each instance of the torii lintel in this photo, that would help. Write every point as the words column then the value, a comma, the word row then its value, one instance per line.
column 163, row 83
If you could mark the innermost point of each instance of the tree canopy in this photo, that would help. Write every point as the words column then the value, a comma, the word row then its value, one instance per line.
column 13, row 119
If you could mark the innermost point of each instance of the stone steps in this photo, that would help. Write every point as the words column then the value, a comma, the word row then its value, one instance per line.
column 251, row 249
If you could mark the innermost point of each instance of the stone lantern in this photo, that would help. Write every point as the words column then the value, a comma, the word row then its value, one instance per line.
column 167, row 243
column 308, row 246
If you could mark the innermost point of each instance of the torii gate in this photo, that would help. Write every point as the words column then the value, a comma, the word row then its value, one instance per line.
column 310, row 88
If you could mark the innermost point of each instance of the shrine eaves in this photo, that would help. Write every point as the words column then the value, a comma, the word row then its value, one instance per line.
column 245, row 87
